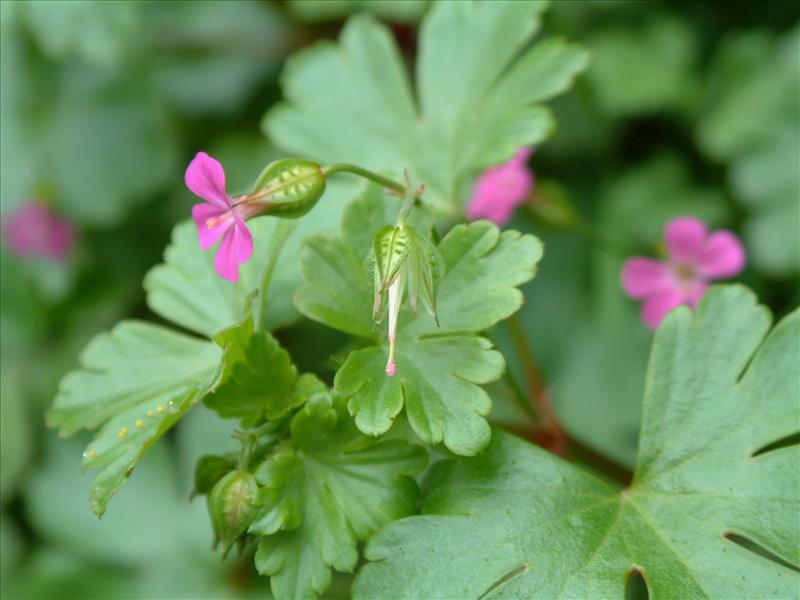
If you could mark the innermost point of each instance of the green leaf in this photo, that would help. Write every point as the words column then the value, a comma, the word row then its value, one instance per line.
column 751, row 86
column 766, row 181
column 334, row 490
column 96, row 33
column 135, row 383
column 645, row 69
column 717, row 393
column 208, row 470
column 258, row 379
column 468, row 118
column 235, row 45
column 439, row 367
column 188, row 291
column 258, row 376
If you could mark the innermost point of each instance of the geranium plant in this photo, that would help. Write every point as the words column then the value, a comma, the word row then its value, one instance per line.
column 326, row 465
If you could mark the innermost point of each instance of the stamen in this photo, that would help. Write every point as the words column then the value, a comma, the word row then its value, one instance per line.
column 213, row 222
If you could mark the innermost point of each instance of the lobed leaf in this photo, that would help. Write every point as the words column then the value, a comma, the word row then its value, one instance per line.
column 476, row 106
column 332, row 489
column 135, row 383
column 717, row 394
column 439, row 367
column 258, row 377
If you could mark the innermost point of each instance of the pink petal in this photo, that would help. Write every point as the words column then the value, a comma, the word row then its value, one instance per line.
column 225, row 262
column 642, row 277
column 685, row 237
column 658, row 305
column 205, row 178
column 498, row 192
column 243, row 241
column 721, row 256
column 209, row 235
column 522, row 156
column 236, row 249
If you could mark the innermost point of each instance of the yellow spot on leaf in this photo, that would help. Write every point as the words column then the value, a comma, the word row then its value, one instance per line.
column 122, row 432
column 159, row 409
column 150, row 413
column 139, row 423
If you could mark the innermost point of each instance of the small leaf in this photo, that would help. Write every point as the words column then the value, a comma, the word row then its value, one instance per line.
column 334, row 488
column 136, row 382
column 232, row 504
column 209, row 470
column 436, row 376
column 258, row 376
column 720, row 388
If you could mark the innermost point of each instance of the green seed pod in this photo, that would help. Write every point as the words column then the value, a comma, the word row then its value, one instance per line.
column 390, row 246
column 288, row 188
column 232, row 504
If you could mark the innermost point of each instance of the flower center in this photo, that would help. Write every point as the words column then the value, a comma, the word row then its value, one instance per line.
column 214, row 222
column 684, row 273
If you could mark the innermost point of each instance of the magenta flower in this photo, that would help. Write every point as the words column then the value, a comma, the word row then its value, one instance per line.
column 695, row 257
column 220, row 216
column 35, row 230
column 501, row 189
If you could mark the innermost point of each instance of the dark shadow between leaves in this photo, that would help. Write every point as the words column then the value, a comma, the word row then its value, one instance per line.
column 755, row 548
column 636, row 585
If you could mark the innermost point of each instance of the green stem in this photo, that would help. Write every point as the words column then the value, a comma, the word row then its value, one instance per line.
column 348, row 168
column 283, row 230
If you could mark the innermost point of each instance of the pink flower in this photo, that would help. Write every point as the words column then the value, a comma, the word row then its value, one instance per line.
column 695, row 257
column 35, row 230
column 500, row 189
column 220, row 216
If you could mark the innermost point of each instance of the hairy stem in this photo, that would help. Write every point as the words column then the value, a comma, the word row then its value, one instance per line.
column 356, row 170
column 283, row 230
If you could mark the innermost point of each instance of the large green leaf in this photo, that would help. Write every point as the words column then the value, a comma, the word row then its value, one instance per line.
column 333, row 488
column 478, row 85
column 717, row 393
column 135, row 383
column 439, row 367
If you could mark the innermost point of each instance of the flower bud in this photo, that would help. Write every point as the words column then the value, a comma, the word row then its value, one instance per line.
column 389, row 251
column 287, row 188
column 233, row 503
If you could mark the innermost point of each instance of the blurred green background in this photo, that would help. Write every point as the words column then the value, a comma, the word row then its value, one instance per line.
column 687, row 108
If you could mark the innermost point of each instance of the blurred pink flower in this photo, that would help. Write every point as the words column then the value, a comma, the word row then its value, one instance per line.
column 695, row 257
column 500, row 189
column 35, row 230
column 219, row 217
